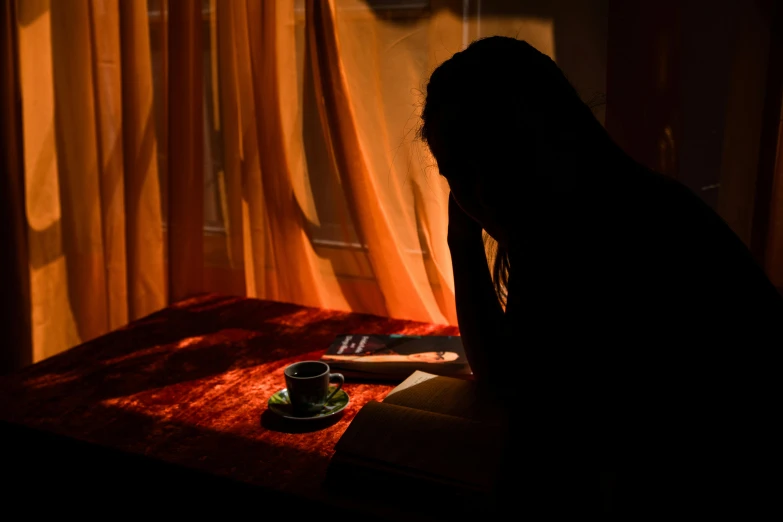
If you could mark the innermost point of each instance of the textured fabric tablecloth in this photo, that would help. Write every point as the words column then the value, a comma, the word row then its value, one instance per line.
column 188, row 386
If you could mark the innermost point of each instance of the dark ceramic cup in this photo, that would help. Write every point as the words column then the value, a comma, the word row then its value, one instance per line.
column 308, row 386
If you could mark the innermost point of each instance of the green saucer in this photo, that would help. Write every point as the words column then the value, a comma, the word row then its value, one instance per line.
column 280, row 404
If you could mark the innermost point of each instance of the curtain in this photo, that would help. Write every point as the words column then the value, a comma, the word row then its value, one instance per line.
column 395, row 213
column 266, row 120
column 282, row 163
column 333, row 201
column 158, row 149
column 152, row 150
column 264, row 155
column 91, row 189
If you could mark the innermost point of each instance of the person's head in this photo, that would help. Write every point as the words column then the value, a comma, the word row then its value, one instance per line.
column 502, row 121
column 434, row 357
column 498, row 115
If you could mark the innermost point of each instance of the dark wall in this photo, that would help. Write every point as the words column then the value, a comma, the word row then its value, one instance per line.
column 687, row 87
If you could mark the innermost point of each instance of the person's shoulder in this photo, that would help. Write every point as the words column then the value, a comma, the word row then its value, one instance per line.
column 703, row 239
column 672, row 207
column 665, row 192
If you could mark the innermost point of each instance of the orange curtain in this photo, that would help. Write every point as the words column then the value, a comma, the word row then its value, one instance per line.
column 387, row 203
column 263, row 154
column 91, row 187
column 152, row 150
column 267, row 126
column 332, row 201
column 243, row 146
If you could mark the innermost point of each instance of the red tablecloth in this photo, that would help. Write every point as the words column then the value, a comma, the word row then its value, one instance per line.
column 188, row 385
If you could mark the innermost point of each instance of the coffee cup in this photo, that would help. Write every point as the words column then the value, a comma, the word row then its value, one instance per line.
column 308, row 386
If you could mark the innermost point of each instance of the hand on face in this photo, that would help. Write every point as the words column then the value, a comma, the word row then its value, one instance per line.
column 469, row 215
column 461, row 226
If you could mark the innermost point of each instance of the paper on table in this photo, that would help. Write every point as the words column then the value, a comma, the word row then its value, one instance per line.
column 413, row 379
column 445, row 395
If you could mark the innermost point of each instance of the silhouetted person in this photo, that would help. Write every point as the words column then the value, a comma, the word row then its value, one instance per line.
column 638, row 332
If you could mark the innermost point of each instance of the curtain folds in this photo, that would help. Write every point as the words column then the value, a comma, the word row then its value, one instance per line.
column 263, row 156
column 377, row 197
column 391, row 222
column 328, row 199
column 152, row 150
column 94, row 224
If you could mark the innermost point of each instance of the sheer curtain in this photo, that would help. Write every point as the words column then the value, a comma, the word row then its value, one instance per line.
column 264, row 155
column 262, row 148
column 153, row 149
column 321, row 191
column 91, row 195
column 341, row 205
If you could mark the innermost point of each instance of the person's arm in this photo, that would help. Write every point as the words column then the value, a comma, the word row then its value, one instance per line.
column 479, row 314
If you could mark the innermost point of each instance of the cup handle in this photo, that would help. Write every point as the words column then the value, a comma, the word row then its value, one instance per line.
column 340, row 381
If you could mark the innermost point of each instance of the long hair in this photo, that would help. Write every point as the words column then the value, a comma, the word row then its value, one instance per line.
column 501, row 263
column 494, row 110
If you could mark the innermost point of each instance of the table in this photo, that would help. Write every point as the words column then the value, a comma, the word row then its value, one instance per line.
column 171, row 410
